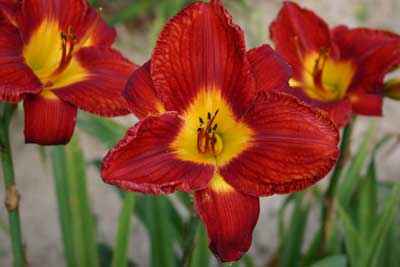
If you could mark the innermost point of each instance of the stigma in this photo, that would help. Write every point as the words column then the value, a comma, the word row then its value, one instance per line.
column 208, row 140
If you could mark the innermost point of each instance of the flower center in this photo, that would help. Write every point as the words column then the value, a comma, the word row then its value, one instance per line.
column 208, row 141
column 323, row 78
column 67, row 47
column 50, row 53
column 319, row 69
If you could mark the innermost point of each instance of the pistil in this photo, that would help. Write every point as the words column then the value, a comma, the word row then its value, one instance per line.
column 208, row 141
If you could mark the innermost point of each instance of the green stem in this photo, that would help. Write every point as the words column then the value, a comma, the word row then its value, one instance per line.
column 188, row 243
column 9, row 180
column 330, row 192
column 120, row 257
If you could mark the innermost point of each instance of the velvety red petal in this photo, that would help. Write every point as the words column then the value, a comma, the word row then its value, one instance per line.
column 374, row 66
column 140, row 94
column 144, row 161
column 200, row 48
column 270, row 70
column 100, row 92
column 294, row 146
column 8, row 11
column 48, row 121
column 230, row 218
column 367, row 103
column 297, row 31
column 339, row 111
column 16, row 78
column 354, row 43
column 76, row 14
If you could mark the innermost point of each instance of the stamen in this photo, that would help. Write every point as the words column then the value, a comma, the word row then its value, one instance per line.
column 67, row 47
column 319, row 68
column 207, row 136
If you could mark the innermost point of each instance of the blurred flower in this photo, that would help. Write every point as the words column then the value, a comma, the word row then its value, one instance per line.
column 392, row 89
column 55, row 56
column 339, row 70
column 211, row 123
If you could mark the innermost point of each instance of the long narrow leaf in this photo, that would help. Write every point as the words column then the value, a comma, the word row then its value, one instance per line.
column 382, row 227
column 351, row 178
column 83, row 228
column 351, row 235
column 201, row 253
column 60, row 181
column 120, row 258
column 291, row 249
column 332, row 261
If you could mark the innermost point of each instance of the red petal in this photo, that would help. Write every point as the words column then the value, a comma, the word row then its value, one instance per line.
column 339, row 111
column 366, row 104
column 297, row 31
column 230, row 218
column 375, row 53
column 270, row 70
column 295, row 145
column 48, row 121
column 143, row 160
column 199, row 49
column 100, row 93
column 16, row 78
column 374, row 66
column 8, row 11
column 69, row 13
column 353, row 43
column 140, row 94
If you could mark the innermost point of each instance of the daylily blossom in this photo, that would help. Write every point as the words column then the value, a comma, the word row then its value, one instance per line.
column 211, row 123
column 340, row 70
column 56, row 56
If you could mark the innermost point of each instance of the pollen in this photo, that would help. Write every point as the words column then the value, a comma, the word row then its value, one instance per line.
column 208, row 140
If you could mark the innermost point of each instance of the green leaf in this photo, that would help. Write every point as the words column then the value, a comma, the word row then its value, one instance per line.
column 62, row 193
column 332, row 261
column 132, row 11
column 162, row 235
column 292, row 243
column 368, row 203
column 120, row 258
column 201, row 253
column 351, row 179
column 381, row 228
column 106, row 131
column 351, row 235
column 76, row 219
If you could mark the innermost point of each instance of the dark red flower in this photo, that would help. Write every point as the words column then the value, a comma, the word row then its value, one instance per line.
column 211, row 124
column 340, row 70
column 56, row 56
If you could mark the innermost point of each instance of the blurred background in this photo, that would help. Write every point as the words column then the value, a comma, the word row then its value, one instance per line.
column 138, row 23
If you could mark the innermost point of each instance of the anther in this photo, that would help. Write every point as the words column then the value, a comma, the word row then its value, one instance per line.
column 215, row 127
column 201, row 120
column 209, row 116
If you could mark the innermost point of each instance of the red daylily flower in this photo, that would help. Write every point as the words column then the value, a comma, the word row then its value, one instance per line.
column 339, row 70
column 210, row 123
column 56, row 56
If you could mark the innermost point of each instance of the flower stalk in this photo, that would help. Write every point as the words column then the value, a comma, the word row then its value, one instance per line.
column 12, row 195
